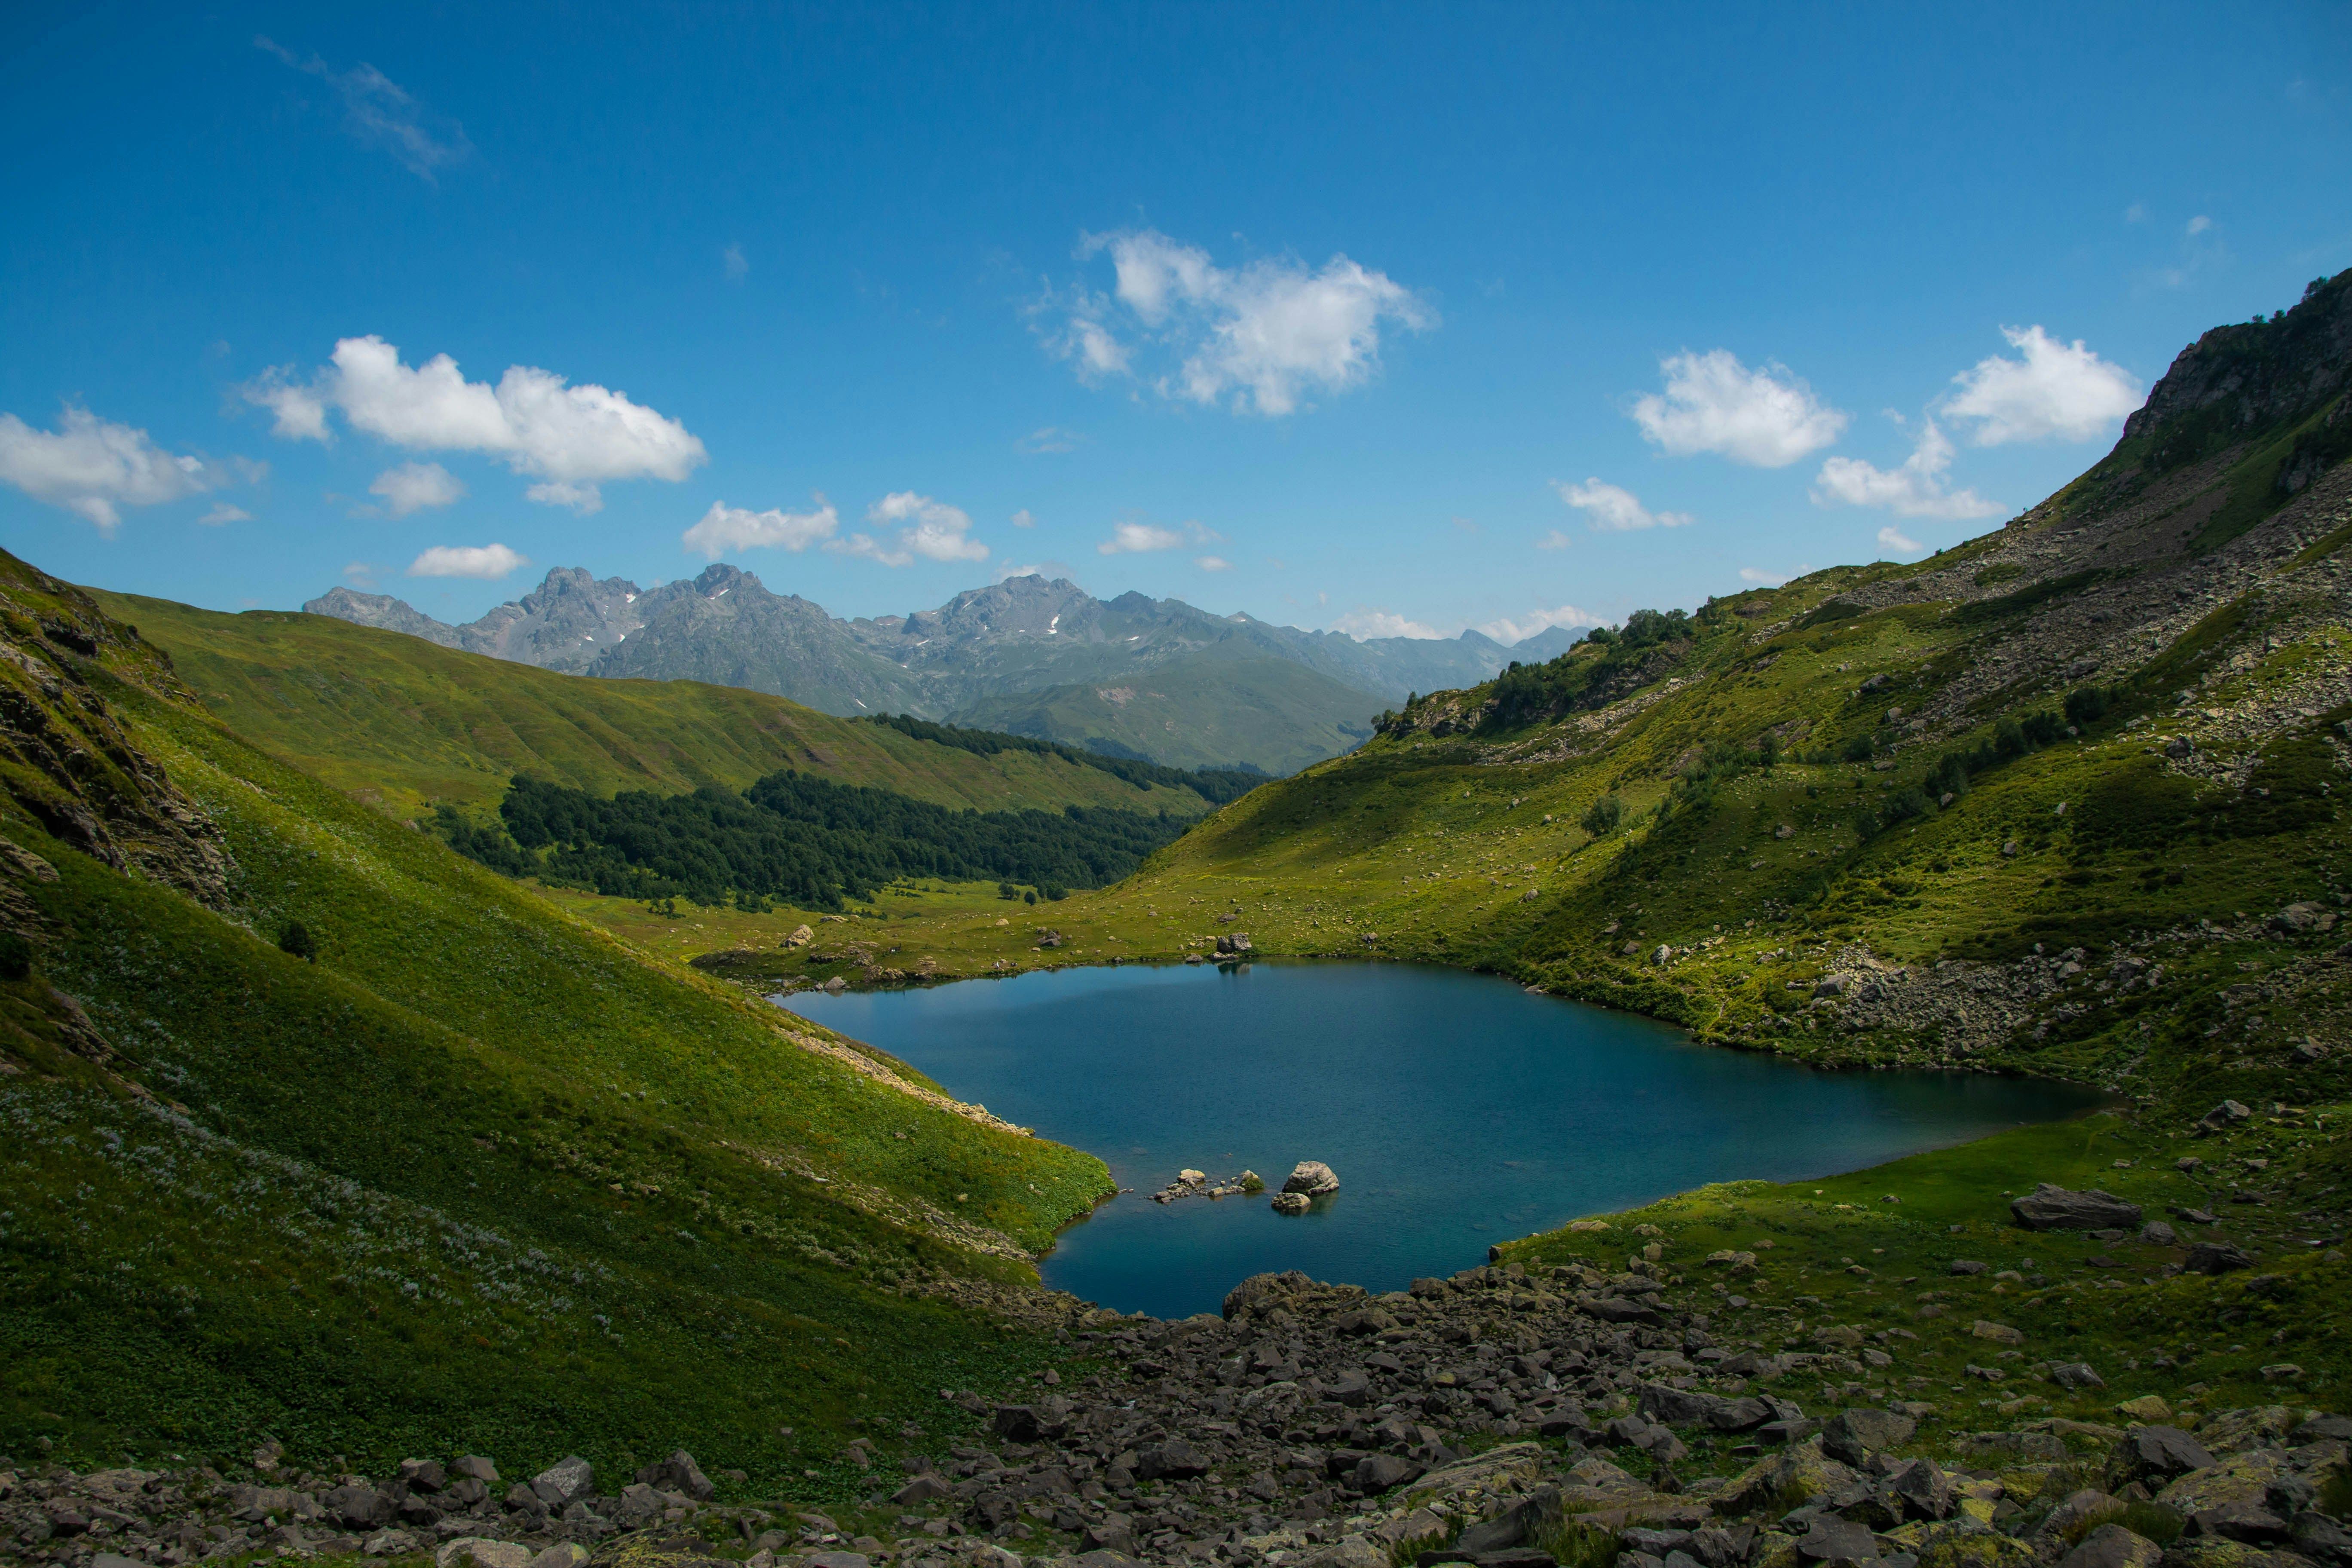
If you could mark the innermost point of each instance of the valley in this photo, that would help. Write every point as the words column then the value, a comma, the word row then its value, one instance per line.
column 333, row 1149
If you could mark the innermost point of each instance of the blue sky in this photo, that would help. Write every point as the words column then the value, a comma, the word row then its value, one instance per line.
column 1384, row 318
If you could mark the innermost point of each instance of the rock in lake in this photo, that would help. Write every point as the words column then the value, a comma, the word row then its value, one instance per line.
column 1312, row 1177
column 1290, row 1203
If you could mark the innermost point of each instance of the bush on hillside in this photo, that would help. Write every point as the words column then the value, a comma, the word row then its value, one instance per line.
column 295, row 942
column 1601, row 818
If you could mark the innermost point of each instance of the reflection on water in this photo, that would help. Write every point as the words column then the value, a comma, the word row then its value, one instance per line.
column 1457, row 1110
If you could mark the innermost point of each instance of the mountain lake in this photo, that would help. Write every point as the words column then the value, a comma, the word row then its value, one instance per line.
column 1456, row 1109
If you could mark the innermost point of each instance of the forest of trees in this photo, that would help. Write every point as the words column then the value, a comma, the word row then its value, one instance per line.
column 1215, row 785
column 797, row 840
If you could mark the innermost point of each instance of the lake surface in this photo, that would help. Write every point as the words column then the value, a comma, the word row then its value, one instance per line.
column 1457, row 1110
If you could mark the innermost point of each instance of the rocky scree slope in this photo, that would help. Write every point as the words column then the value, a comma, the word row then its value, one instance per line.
column 1506, row 1416
column 314, row 1130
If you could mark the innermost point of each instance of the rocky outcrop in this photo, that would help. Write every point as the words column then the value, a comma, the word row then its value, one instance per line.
column 67, row 761
column 2052, row 1207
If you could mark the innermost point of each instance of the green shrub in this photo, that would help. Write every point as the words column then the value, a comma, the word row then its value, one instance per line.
column 295, row 942
column 1601, row 818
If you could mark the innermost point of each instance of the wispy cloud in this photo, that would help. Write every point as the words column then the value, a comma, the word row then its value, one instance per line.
column 412, row 487
column 93, row 468
column 1615, row 509
column 1261, row 338
column 1366, row 622
column 2053, row 390
column 736, row 265
column 574, row 439
column 381, row 113
column 724, row 528
column 1916, row 488
column 928, row 529
column 1767, row 418
column 1518, row 628
column 490, row 562
column 1050, row 438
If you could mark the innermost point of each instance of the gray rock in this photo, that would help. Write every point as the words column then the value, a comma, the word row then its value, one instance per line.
column 1291, row 1203
column 2052, row 1207
column 2155, row 1455
column 1312, row 1177
column 2217, row 1257
column 424, row 1475
column 565, row 1482
column 358, row 1507
column 1174, row 1459
column 2320, row 1428
column 2320, row 1538
column 1836, row 1540
column 922, row 1490
column 1922, row 1489
column 1853, row 1435
column 2075, row 1374
column 2229, row 1113
column 836, row 1560
column 477, row 1467
column 679, row 1473
column 1379, row 1472
column 2113, row 1546
column 1968, row 1266
column 2156, row 1233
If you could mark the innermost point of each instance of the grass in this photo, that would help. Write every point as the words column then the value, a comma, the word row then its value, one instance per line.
column 400, row 723
column 482, row 1176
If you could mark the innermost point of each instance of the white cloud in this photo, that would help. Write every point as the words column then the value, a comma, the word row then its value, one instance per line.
column 724, row 528
column 2200, row 224
column 1512, row 629
column 1049, row 570
column 1766, row 417
column 2135, row 212
column 1365, row 622
column 1261, row 337
column 488, row 561
column 381, row 112
column 1915, row 489
column 1212, row 563
column 1555, row 540
column 1615, row 509
column 736, row 265
column 2056, row 389
column 412, row 486
column 1770, row 579
column 573, row 437
column 1050, row 438
column 93, row 468
column 1023, row 520
column 223, row 512
column 932, row 529
column 1892, row 538
column 1136, row 538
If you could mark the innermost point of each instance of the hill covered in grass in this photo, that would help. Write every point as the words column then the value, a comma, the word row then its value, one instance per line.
column 402, row 723
column 317, row 1131
column 2068, row 799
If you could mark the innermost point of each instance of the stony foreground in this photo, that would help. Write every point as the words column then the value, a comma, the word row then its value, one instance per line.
column 1490, row 1418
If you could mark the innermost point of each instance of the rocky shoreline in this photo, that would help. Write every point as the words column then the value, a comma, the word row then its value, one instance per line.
column 1495, row 1418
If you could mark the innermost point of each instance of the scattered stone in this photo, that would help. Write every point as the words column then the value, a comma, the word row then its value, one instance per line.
column 2052, row 1207
column 2217, row 1257
column 2113, row 1546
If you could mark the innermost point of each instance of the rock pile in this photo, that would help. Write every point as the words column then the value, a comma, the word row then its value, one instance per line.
column 1315, row 1425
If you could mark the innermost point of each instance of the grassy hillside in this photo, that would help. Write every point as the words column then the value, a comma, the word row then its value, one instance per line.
column 1206, row 711
column 475, row 1173
column 2068, row 799
column 401, row 723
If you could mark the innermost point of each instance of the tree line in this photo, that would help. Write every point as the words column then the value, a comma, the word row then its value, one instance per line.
column 794, row 839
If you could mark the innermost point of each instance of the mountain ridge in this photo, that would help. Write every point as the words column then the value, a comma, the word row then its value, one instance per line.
column 971, row 659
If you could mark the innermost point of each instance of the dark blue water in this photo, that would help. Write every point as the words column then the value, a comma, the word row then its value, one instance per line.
column 1457, row 1110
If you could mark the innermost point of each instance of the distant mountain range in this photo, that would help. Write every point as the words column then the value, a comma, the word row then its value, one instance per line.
column 1132, row 676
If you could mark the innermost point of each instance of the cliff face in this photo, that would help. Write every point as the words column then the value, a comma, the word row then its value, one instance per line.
column 65, row 757
column 2239, row 379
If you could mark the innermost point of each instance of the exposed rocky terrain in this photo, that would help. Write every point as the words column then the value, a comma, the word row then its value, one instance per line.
column 1497, row 1417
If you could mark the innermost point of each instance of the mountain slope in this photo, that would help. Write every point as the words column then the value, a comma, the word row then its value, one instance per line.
column 401, row 723
column 980, row 653
column 478, row 1173
column 1209, row 709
